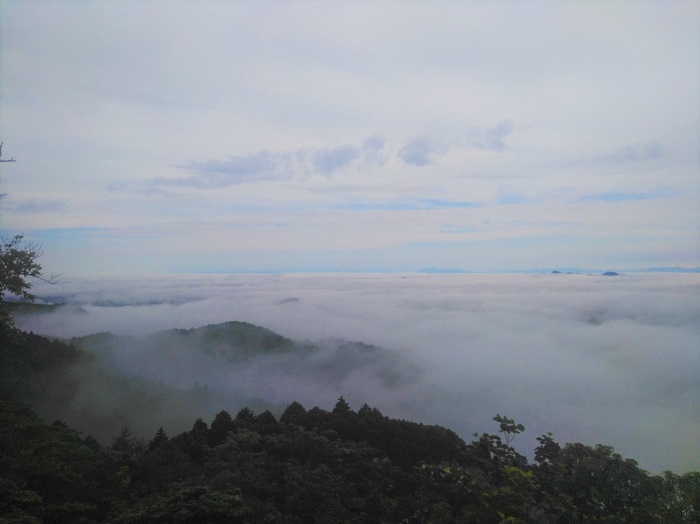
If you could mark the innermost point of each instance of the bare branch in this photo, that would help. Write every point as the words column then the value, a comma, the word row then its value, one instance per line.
column 52, row 279
column 11, row 159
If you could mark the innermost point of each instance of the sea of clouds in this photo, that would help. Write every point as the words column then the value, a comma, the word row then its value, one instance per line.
column 593, row 359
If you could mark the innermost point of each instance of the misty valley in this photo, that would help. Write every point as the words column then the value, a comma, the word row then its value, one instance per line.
column 170, row 377
column 167, row 410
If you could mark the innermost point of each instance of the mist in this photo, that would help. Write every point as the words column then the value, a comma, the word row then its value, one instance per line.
column 593, row 359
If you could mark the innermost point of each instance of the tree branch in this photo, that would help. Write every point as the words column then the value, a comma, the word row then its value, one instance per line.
column 53, row 279
column 11, row 159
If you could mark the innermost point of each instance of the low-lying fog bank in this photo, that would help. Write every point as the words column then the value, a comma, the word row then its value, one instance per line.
column 589, row 358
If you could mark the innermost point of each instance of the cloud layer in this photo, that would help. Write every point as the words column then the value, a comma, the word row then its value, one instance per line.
column 590, row 358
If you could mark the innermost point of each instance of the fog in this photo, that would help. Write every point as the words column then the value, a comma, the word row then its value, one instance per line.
column 593, row 359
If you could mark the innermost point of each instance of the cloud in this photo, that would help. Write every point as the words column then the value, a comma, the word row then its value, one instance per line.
column 622, row 197
column 424, row 150
column 327, row 161
column 409, row 205
column 213, row 174
column 421, row 151
column 638, row 152
column 494, row 137
column 373, row 149
column 435, row 203
column 589, row 358
column 514, row 199
column 267, row 165
column 36, row 206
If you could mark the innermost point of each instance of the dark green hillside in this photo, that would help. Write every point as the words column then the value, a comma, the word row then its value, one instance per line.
column 231, row 340
column 61, row 380
column 36, row 369
column 102, row 381
column 100, row 344
column 95, row 340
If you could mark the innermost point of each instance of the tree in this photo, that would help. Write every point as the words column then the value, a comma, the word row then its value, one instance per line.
column 341, row 408
column 245, row 415
column 158, row 439
column 294, row 414
column 266, row 418
column 220, row 426
column 17, row 264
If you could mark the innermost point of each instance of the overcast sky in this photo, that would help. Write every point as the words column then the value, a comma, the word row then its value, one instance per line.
column 371, row 136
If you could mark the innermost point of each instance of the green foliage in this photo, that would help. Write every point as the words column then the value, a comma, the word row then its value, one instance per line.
column 186, row 503
column 678, row 497
column 17, row 264
column 313, row 466
column 508, row 427
column 600, row 484
column 49, row 473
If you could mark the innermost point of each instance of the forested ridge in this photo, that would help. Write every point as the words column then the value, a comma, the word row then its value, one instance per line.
column 307, row 465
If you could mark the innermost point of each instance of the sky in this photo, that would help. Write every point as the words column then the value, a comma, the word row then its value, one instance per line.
column 182, row 136
column 590, row 358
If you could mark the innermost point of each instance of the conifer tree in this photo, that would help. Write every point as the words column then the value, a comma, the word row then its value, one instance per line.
column 158, row 439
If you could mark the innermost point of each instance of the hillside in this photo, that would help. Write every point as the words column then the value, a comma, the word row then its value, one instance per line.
column 100, row 382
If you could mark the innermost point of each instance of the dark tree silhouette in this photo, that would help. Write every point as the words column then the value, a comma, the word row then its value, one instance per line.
column 158, row 439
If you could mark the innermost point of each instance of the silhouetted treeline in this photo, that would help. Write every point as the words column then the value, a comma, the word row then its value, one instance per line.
column 310, row 465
